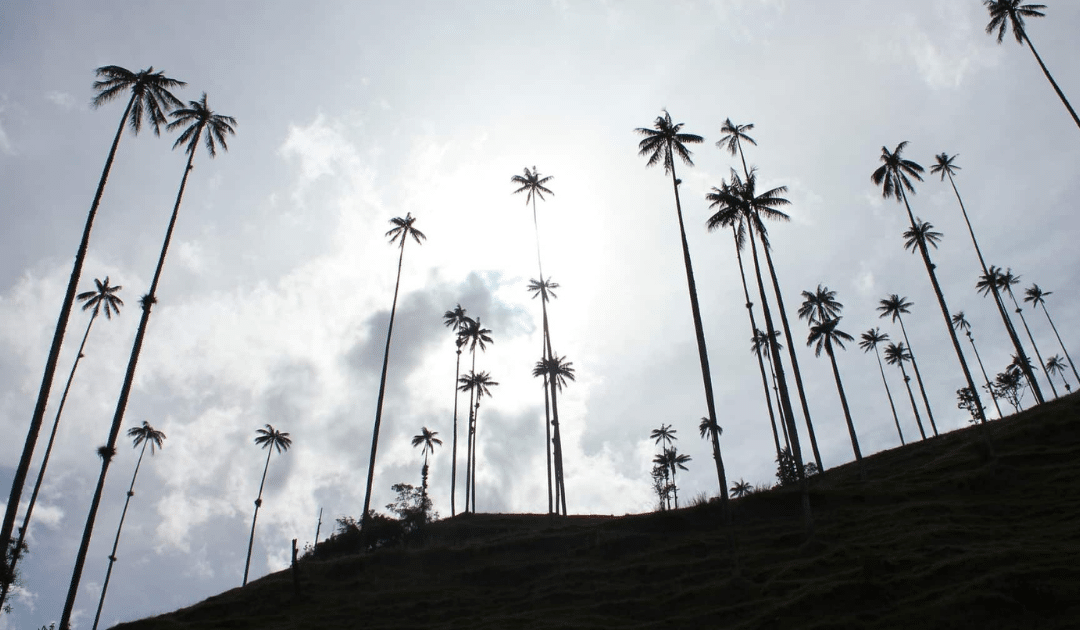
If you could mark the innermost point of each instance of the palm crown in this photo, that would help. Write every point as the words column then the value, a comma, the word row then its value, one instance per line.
column 480, row 382
column 738, row 201
column 1004, row 13
column 944, row 165
column 664, row 434
column 893, row 174
column 894, row 305
column 871, row 338
column 663, row 142
column 556, row 368
column 272, row 438
column 543, row 288
column 959, row 322
column 150, row 96
column 896, row 353
column 1032, row 294
column 532, row 184
column 706, row 426
column 819, row 306
column 923, row 232
column 475, row 335
column 456, row 319
column 734, row 135
column 199, row 117
column 103, row 296
column 403, row 228
column 146, row 433
column 827, row 335
column 428, row 440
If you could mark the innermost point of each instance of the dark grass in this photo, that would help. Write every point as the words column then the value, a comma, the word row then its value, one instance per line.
column 942, row 535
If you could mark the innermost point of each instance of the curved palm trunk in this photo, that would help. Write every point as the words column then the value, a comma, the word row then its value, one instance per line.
column 258, row 504
column 121, row 406
column 914, row 407
column 844, row 404
column 948, row 322
column 382, row 388
column 17, row 552
column 19, row 480
column 116, row 541
column 888, row 393
column 1049, row 78
column 702, row 352
column 989, row 387
column 1060, row 342
column 1023, row 320
column 997, row 299
column 453, row 461
column 918, row 378
column 794, row 359
column 753, row 331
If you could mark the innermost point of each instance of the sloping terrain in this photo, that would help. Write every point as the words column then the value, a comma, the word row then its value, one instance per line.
column 941, row 535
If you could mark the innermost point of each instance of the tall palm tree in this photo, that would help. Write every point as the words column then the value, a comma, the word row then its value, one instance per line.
column 477, row 384
column 1056, row 365
column 827, row 336
column 557, row 370
column 1037, row 297
column 676, row 460
column 960, row 322
column 819, row 306
column 1007, row 280
column 661, row 145
column 474, row 335
column 270, row 439
column 869, row 341
column 707, row 429
column 991, row 283
column 104, row 295
column 734, row 136
column 897, row 354
column 427, row 441
column 457, row 320
column 145, row 435
column 895, row 306
column 403, row 229
column 1010, row 12
column 894, row 177
column 664, row 434
column 199, row 123
column 759, row 345
column 532, row 184
column 544, row 289
column 741, row 489
column 662, row 465
column 149, row 102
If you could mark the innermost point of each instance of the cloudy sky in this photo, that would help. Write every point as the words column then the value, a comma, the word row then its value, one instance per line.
column 274, row 301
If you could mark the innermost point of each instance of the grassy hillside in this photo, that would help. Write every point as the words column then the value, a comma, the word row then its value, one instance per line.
column 940, row 536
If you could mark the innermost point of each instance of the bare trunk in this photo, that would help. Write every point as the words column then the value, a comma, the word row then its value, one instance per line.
column 258, row 504
column 918, row 378
column 1023, row 320
column 989, row 387
column 888, row 393
column 1049, row 78
column 1061, row 343
column 914, row 407
column 844, row 404
column 453, row 462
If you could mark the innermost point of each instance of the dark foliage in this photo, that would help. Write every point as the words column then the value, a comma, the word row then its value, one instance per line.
column 968, row 402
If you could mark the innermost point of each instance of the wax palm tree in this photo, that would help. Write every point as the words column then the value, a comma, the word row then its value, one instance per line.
column 199, row 122
column 1007, row 281
column 475, row 336
column 1037, row 297
column 1056, row 365
column 921, row 232
column 664, row 434
column 1004, row 13
column 403, row 229
column 271, row 439
column 532, row 184
column 819, row 306
column 896, row 354
column 150, row 100
column 960, row 322
column 991, row 283
column 456, row 320
column 661, row 464
column 427, row 441
column 544, row 289
column 827, row 336
column 675, row 461
column 478, row 385
column 661, row 145
column 734, row 136
column 869, row 341
column 557, row 370
column 895, row 306
column 103, row 296
column 145, row 435
column 894, row 177
column 741, row 489
column 759, row 345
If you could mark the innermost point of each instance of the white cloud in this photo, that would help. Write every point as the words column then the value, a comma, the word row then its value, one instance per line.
column 61, row 99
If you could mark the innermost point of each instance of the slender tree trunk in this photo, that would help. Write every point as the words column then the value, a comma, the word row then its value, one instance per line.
column 116, row 541
column 382, row 390
column 779, row 409
column 476, row 419
column 258, row 504
column 544, row 343
column 54, row 355
column 547, row 443
column 914, row 407
column 674, row 487
column 469, row 439
column 1031, row 338
column 1025, row 363
column 888, row 393
column 1061, row 343
column 560, row 482
column 121, row 406
column 702, row 352
column 918, row 378
column 844, row 404
column 17, row 552
column 453, row 462
column 1049, row 78
column 791, row 353
column 989, row 387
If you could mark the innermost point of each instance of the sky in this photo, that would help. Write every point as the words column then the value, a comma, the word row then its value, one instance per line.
column 273, row 304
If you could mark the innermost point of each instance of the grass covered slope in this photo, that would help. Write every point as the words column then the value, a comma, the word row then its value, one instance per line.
column 940, row 536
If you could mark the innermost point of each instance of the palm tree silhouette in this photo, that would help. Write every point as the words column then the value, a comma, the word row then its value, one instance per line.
column 199, row 119
column 662, row 144
column 894, row 178
column 1010, row 12
column 869, row 341
column 150, row 101
column 544, row 289
column 556, row 370
column 895, row 306
column 992, row 282
column 759, row 345
column 664, row 434
column 1007, row 281
column 707, row 429
column 741, row 489
column 960, row 322
column 661, row 463
column 897, row 354
column 270, row 439
column 456, row 320
column 676, row 460
column 104, row 295
column 1037, row 297
column 477, row 384
column 474, row 335
column 819, row 306
column 427, row 441
column 145, row 435
column 1056, row 365
column 827, row 335
column 403, row 229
